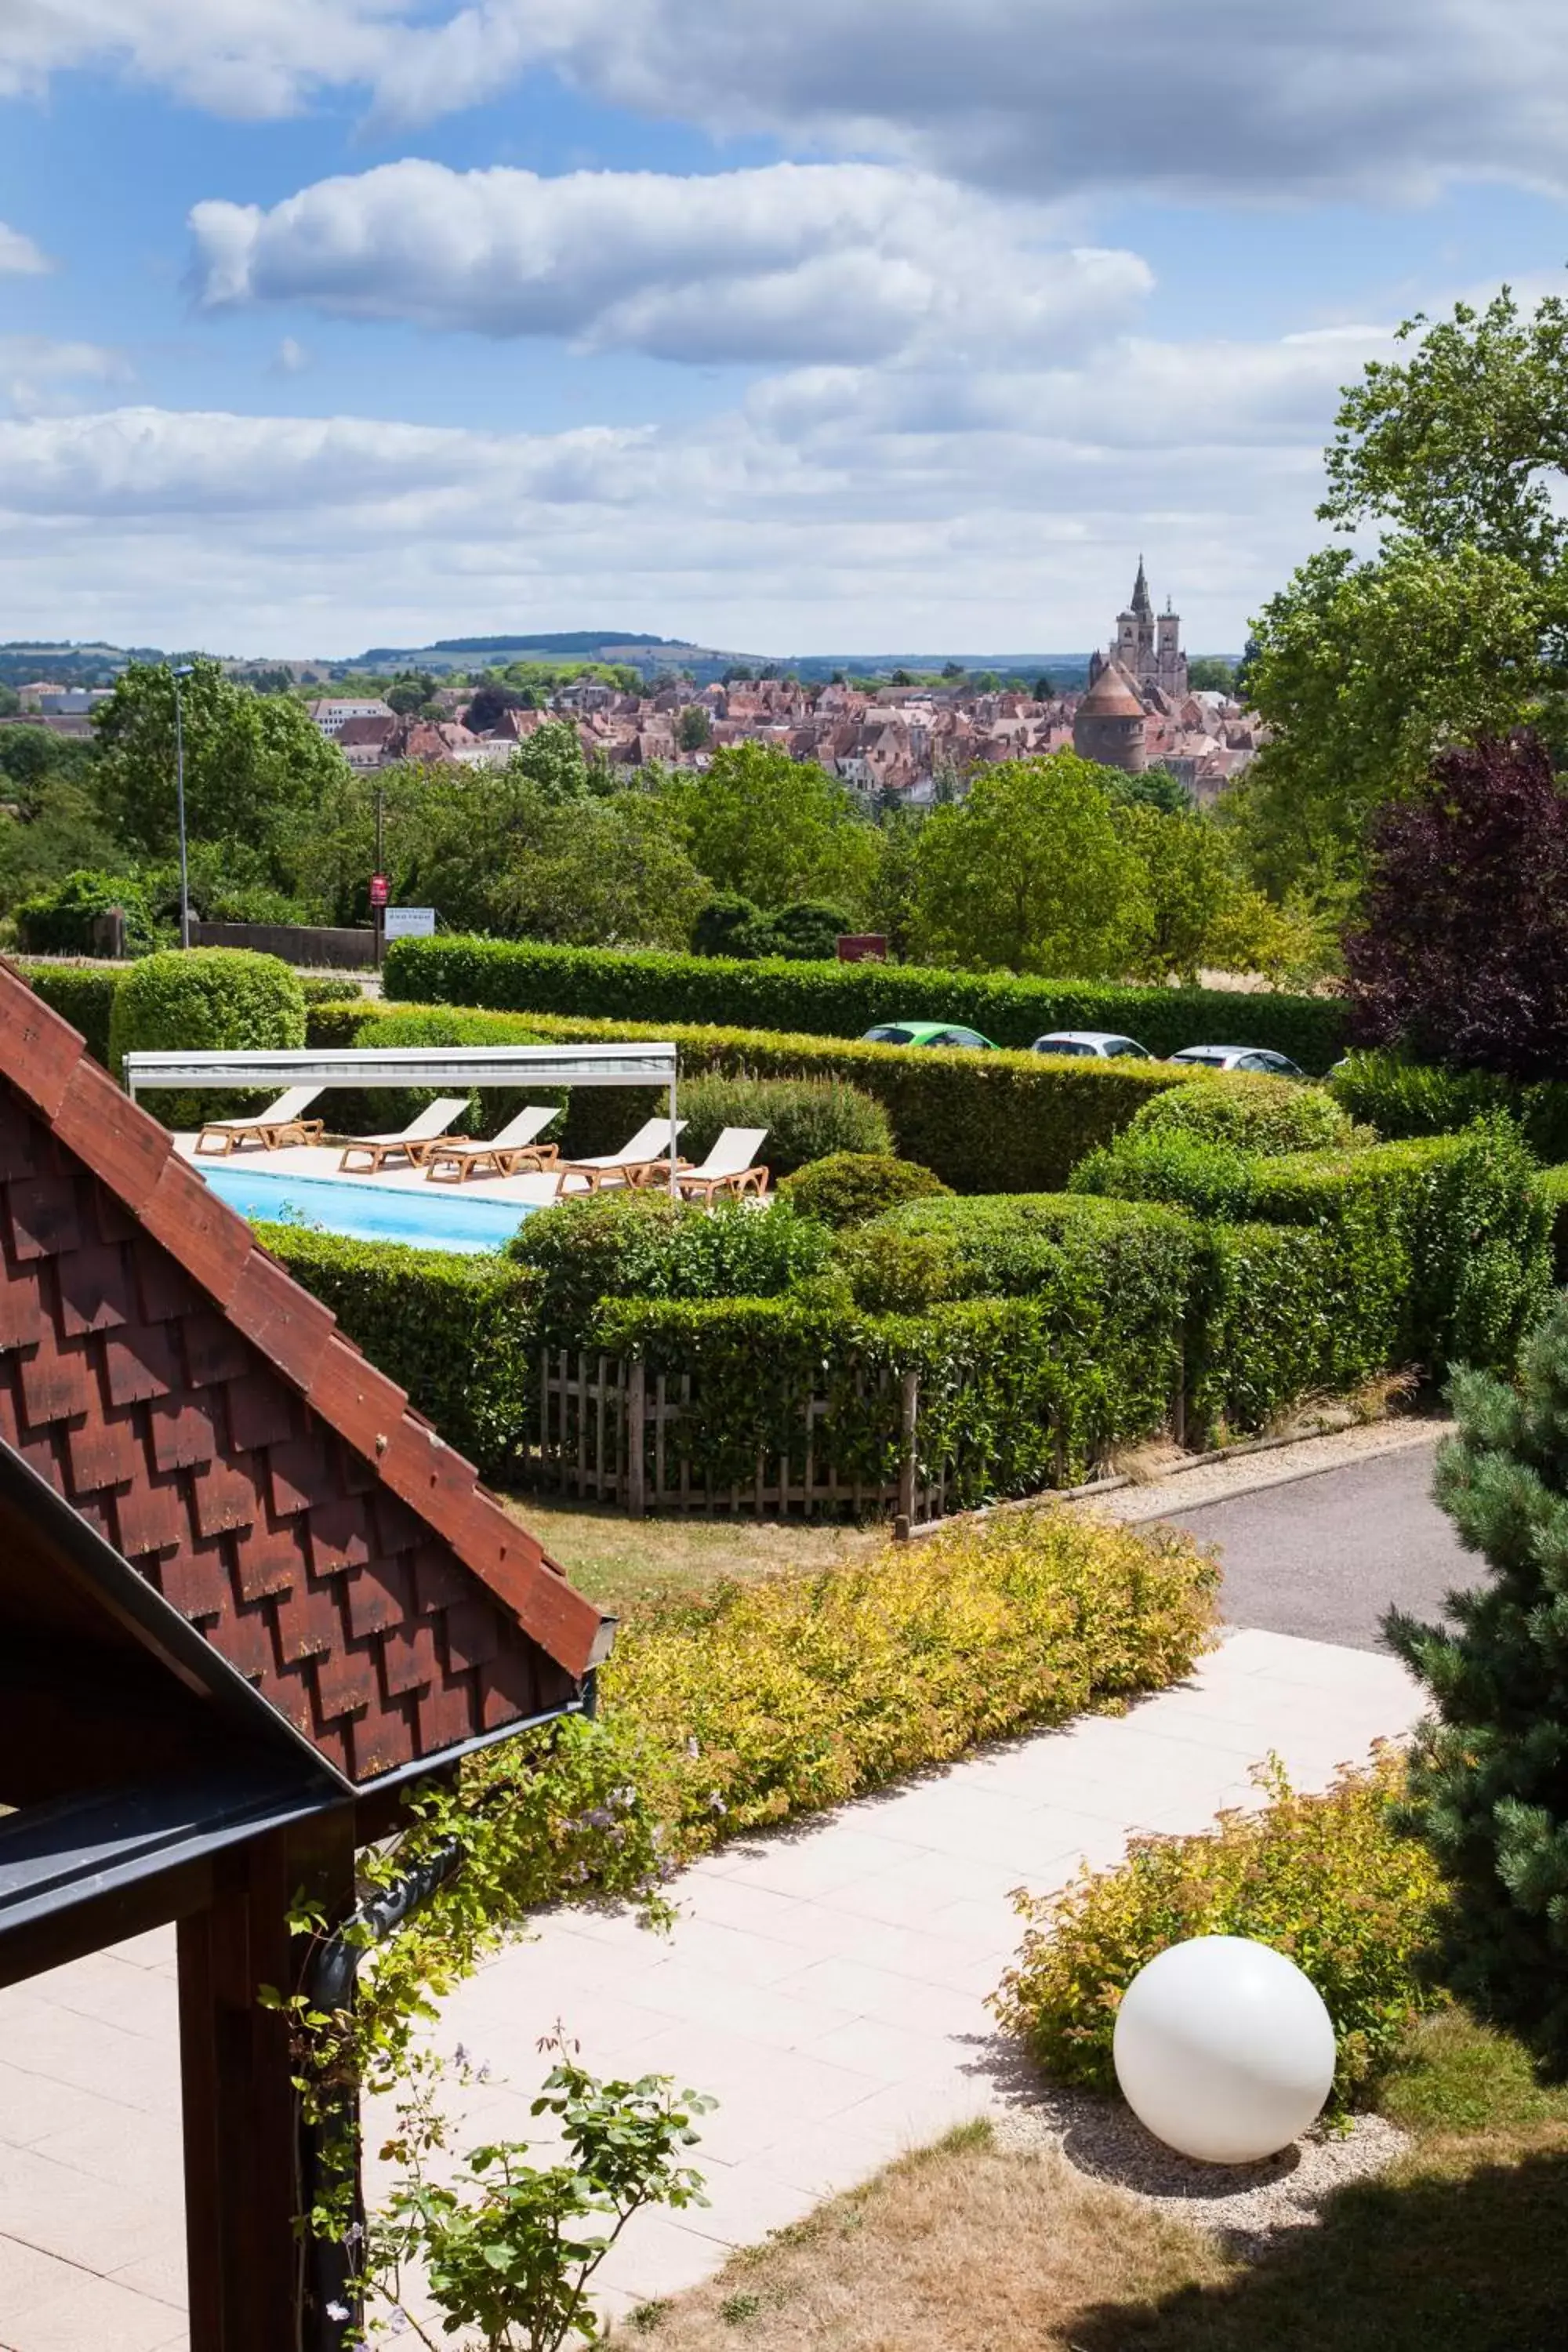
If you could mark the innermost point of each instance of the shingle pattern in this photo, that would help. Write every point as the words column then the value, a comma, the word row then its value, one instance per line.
column 207, row 1417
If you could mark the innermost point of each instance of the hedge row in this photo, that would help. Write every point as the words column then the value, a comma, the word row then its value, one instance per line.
column 1437, row 1249
column 843, row 1000
column 81, row 995
column 456, row 1332
column 983, row 1122
column 1407, row 1099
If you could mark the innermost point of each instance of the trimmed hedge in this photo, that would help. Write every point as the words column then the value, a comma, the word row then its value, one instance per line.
column 456, row 1332
column 849, row 1187
column 199, row 997
column 981, row 1122
column 844, row 999
column 1554, row 1184
column 1269, row 1115
column 646, row 1245
column 806, row 1119
column 1407, row 1098
column 81, row 994
column 1442, row 1242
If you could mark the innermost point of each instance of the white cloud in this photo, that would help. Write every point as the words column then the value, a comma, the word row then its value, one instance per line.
column 38, row 375
column 836, row 508
column 1327, row 98
column 290, row 358
column 847, row 261
column 19, row 256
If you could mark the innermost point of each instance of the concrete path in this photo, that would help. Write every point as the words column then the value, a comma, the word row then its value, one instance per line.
column 826, row 1984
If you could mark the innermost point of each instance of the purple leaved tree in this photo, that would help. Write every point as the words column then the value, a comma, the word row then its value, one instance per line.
column 1463, row 957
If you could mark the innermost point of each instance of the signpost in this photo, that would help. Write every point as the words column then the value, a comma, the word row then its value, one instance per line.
column 862, row 946
column 378, row 891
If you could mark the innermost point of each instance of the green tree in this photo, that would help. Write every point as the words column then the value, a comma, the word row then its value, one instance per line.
column 10, row 700
column 1031, row 874
column 411, row 690
column 32, row 756
column 1191, row 885
column 552, row 759
column 1211, row 674
column 1457, row 626
column 694, row 730
column 1489, row 1777
column 609, row 872
column 258, row 771
column 777, row 829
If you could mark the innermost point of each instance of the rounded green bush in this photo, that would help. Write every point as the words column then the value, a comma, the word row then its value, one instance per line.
column 198, row 997
column 894, row 1273
column 848, row 1188
column 1250, row 1113
column 806, row 1119
column 642, row 1244
column 1211, row 1180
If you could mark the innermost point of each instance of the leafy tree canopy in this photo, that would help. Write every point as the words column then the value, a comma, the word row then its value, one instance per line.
column 776, row 829
column 1030, row 874
column 1457, row 626
column 257, row 768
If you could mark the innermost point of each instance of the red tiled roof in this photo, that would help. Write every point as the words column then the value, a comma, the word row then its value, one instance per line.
column 207, row 1417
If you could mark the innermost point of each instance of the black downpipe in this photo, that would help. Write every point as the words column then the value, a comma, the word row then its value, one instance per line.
column 331, row 2265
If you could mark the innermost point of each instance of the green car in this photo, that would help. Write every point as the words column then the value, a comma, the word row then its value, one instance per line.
column 926, row 1033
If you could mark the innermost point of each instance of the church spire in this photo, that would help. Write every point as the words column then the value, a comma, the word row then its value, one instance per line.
column 1141, row 605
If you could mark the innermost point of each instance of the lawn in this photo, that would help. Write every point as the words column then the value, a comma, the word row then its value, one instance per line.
column 626, row 1563
column 1461, row 2246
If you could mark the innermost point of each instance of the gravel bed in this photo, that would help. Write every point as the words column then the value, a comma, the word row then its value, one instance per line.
column 1244, row 2205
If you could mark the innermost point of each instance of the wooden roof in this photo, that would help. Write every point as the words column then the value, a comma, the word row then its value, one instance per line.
column 207, row 1419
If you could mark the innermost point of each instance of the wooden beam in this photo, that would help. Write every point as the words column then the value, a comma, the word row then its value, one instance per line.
column 244, row 2260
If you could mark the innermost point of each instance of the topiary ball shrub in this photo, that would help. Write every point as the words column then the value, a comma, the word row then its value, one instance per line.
column 806, row 1119
column 1250, row 1113
column 849, row 1187
column 642, row 1244
column 1328, row 1880
column 197, row 998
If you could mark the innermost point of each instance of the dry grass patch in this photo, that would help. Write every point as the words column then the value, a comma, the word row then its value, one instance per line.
column 959, row 2248
column 625, row 1564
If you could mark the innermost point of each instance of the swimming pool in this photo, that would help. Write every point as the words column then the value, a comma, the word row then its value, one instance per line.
column 443, row 1220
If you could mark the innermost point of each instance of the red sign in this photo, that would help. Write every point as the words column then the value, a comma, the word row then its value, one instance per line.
column 378, row 891
column 862, row 946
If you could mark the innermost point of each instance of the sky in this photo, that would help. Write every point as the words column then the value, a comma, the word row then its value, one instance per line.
column 844, row 325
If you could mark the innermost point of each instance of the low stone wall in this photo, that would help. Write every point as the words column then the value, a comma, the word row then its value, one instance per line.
column 300, row 943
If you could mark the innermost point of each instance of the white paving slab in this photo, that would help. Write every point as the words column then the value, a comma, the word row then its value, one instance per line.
column 826, row 1983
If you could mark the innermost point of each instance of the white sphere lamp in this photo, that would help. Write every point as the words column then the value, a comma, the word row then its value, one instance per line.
column 1224, row 2049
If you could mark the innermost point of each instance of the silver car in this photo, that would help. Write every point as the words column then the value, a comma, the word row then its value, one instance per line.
column 1099, row 1044
column 1239, row 1057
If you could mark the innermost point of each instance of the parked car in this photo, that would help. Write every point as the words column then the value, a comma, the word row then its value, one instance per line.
column 926, row 1033
column 1100, row 1045
column 1239, row 1057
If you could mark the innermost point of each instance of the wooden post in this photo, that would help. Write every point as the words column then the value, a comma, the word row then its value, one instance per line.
column 244, row 2260
column 909, row 1425
column 1179, row 1406
column 636, row 1394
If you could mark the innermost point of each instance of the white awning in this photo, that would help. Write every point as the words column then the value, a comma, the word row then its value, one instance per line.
column 441, row 1067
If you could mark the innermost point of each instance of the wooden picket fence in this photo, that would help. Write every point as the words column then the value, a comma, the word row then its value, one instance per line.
column 610, row 1432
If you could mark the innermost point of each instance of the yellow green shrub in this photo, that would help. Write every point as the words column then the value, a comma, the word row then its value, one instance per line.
column 1324, row 1878
column 781, row 1697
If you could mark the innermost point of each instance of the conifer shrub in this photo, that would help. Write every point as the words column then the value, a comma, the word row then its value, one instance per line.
column 849, row 1187
column 1328, row 1880
column 1489, row 1777
column 767, row 1700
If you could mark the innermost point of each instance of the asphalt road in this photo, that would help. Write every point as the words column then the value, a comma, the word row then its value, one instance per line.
column 1325, row 1556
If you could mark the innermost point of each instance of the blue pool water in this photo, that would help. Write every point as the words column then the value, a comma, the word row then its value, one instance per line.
column 442, row 1218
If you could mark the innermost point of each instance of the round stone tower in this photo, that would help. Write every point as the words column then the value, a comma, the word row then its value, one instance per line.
column 1108, row 725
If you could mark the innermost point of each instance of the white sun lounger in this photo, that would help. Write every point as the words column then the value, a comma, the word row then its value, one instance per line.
column 641, row 1161
column 730, row 1167
column 271, row 1129
column 506, row 1154
column 409, row 1145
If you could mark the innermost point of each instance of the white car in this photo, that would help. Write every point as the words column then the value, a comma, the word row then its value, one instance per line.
column 1239, row 1057
column 1099, row 1044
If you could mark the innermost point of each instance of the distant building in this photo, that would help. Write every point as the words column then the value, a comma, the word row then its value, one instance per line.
column 1148, row 648
column 334, row 714
column 1110, row 724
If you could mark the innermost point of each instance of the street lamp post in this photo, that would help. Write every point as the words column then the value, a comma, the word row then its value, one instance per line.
column 180, row 807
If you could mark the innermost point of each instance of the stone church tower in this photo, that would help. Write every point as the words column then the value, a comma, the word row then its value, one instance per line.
column 1108, row 725
column 1149, row 650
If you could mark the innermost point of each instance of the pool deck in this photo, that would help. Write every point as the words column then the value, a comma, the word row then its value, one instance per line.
column 320, row 1161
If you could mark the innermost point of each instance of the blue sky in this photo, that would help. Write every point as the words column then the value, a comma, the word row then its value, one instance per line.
column 869, row 324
